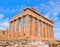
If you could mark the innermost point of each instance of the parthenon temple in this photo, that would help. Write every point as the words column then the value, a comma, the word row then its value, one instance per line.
column 28, row 29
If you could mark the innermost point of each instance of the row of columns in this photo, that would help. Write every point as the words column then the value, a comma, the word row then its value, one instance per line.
column 32, row 30
column 47, row 31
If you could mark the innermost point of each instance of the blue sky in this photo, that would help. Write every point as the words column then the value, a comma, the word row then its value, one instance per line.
column 48, row 8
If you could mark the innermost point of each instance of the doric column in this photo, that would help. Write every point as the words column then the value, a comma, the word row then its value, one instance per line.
column 36, row 27
column 22, row 28
column 49, row 31
column 52, row 33
column 32, row 28
column 45, row 28
column 41, row 29
column 12, row 30
column 17, row 29
column 27, row 33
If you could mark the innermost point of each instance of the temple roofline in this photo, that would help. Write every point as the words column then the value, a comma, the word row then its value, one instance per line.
column 34, row 10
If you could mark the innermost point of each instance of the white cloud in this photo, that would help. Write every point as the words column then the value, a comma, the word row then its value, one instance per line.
column 57, row 36
column 3, row 23
column 1, row 16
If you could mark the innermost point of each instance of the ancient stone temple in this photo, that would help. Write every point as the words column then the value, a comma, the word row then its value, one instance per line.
column 28, row 29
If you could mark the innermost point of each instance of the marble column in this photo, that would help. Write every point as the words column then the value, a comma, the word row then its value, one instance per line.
column 45, row 28
column 22, row 28
column 36, row 27
column 32, row 28
column 52, row 33
column 48, row 32
column 12, row 30
column 17, row 29
column 27, row 33
column 41, row 29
